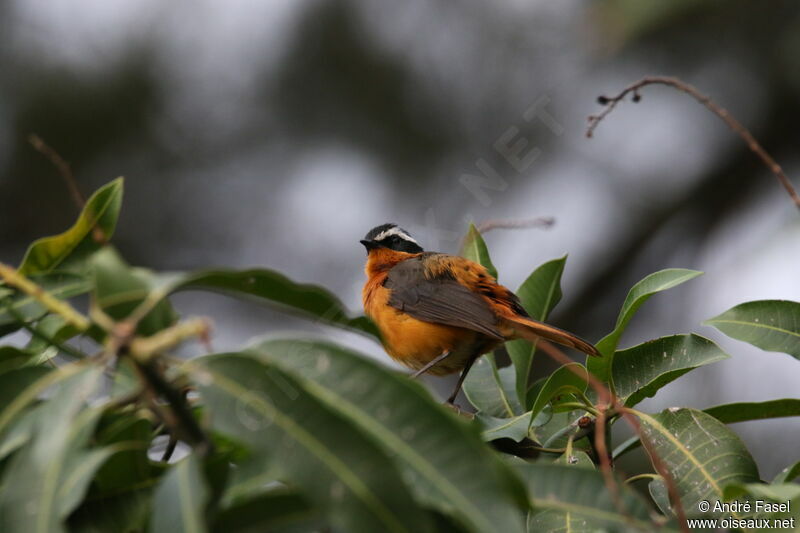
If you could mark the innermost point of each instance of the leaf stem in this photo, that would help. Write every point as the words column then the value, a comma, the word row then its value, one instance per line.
column 641, row 476
column 579, row 406
column 587, row 403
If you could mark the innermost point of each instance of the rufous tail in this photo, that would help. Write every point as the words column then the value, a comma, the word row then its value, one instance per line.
column 532, row 330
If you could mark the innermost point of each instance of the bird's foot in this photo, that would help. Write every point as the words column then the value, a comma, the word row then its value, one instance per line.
column 457, row 410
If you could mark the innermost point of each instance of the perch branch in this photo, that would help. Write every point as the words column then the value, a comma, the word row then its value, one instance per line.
column 610, row 102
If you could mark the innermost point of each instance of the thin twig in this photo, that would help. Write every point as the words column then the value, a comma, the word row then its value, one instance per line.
column 173, row 439
column 182, row 420
column 170, row 448
column 525, row 223
column 611, row 102
column 539, row 222
column 63, row 167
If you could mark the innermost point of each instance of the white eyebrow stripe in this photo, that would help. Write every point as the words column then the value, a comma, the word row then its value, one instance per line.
column 395, row 231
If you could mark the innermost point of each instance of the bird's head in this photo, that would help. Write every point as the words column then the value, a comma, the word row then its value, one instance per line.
column 390, row 236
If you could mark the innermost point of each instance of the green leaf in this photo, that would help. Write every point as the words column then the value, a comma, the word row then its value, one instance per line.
column 660, row 494
column 571, row 498
column 475, row 249
column 179, row 501
column 504, row 428
column 12, row 358
column 638, row 295
column 22, row 307
column 19, row 387
column 119, row 289
column 131, row 433
column 51, row 473
column 297, row 438
column 760, row 494
column 491, row 390
column 539, row 294
column 128, row 511
column 772, row 325
column 269, row 285
column 276, row 511
column 53, row 328
column 18, row 390
column 701, row 454
column 460, row 478
column 566, row 379
column 741, row 412
column 14, row 383
column 576, row 458
column 93, row 228
column 729, row 414
column 15, row 433
column 639, row 372
column 790, row 473
column 626, row 446
column 556, row 431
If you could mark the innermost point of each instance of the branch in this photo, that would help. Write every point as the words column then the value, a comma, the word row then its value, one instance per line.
column 607, row 402
column 70, row 315
column 612, row 101
column 62, row 165
column 524, row 223
column 539, row 222
column 182, row 418
column 143, row 353
column 145, row 348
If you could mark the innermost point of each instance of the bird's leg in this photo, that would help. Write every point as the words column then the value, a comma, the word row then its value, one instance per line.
column 430, row 364
column 463, row 375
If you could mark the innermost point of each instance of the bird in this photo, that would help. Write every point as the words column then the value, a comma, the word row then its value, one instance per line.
column 437, row 313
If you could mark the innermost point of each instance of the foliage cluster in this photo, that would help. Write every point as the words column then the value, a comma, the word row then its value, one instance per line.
column 299, row 434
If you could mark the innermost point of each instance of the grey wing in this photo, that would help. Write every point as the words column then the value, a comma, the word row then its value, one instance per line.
column 440, row 300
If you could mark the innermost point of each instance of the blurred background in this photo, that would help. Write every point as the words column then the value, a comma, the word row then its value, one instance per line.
column 275, row 134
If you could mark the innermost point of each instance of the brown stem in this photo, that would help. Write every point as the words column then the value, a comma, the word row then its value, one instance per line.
column 658, row 464
column 182, row 420
column 539, row 222
column 611, row 102
column 608, row 402
column 62, row 165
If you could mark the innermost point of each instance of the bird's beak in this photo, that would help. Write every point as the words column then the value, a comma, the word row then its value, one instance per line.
column 370, row 245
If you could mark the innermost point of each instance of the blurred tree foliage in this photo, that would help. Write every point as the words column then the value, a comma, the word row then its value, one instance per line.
column 335, row 83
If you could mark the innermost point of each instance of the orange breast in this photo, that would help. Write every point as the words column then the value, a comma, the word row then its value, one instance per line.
column 413, row 342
